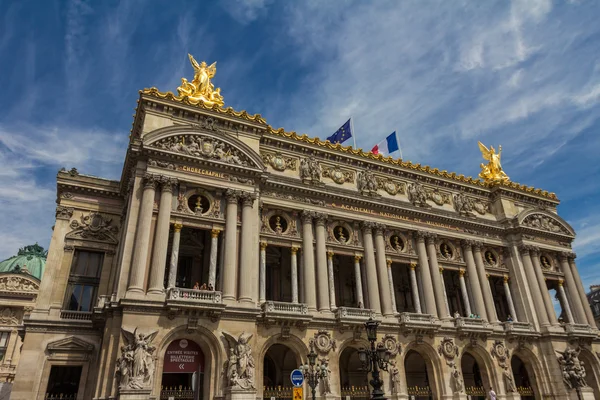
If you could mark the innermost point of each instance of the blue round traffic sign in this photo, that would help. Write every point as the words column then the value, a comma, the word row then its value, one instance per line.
column 297, row 377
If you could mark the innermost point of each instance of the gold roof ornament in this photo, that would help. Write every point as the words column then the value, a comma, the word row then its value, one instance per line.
column 492, row 172
column 201, row 88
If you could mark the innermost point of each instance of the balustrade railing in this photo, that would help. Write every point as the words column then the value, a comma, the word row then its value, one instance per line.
column 351, row 312
column 416, row 318
column 61, row 396
column 284, row 307
column 177, row 393
column 355, row 393
column 277, row 392
column 78, row 315
column 194, row 295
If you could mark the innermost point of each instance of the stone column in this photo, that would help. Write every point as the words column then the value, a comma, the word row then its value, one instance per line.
column 565, row 302
column 581, row 290
column 330, row 280
column 247, row 261
column 308, row 256
column 473, row 281
column 391, row 281
column 301, row 280
column 142, row 237
column 579, row 312
column 161, row 237
column 444, row 290
column 358, row 279
column 543, row 287
column 371, row 268
column 509, row 300
column 322, row 274
column 174, row 256
column 214, row 247
column 430, row 307
column 414, row 287
column 262, row 272
column 382, row 275
column 230, row 256
column 488, row 299
column 294, row 272
column 540, row 308
column 434, row 270
column 463, row 291
column 221, row 263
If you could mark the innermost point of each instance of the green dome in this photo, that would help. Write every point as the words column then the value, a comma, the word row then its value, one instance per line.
column 29, row 259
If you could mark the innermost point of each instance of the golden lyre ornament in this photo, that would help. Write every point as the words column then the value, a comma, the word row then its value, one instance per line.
column 201, row 88
column 492, row 172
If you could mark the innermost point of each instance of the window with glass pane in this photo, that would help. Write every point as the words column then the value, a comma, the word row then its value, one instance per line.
column 4, row 336
column 84, row 280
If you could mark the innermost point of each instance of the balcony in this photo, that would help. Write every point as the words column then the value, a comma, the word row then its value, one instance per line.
column 516, row 330
column 349, row 316
column 203, row 302
column 581, row 331
column 76, row 315
column 419, row 323
column 284, row 313
column 473, row 327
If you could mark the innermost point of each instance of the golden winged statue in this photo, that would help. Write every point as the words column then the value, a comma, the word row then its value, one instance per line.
column 492, row 172
column 201, row 88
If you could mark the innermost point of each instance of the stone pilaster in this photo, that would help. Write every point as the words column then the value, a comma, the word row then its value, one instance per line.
column 161, row 237
column 534, row 285
column 382, row 274
column 486, row 291
column 308, row 258
column 230, row 256
column 434, row 270
column 370, row 267
column 414, row 287
column 322, row 274
column 575, row 300
column 294, row 272
column 142, row 237
column 543, row 287
column 358, row 278
column 430, row 307
column 247, row 278
column 174, row 256
column 463, row 291
column 473, row 280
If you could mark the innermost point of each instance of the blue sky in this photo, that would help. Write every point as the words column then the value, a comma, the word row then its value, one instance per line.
column 443, row 74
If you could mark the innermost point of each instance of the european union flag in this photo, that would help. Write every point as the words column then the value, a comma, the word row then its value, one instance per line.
column 342, row 134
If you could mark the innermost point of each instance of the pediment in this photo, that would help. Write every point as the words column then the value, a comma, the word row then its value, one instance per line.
column 205, row 144
column 21, row 284
column 70, row 344
column 545, row 221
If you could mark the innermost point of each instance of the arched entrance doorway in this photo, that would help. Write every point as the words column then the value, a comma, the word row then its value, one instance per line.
column 278, row 364
column 353, row 379
column 183, row 371
column 473, row 377
column 592, row 376
column 417, row 376
column 522, row 378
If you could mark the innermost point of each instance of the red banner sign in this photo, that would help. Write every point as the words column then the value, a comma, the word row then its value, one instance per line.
column 183, row 356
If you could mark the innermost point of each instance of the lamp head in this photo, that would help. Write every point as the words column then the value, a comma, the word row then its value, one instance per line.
column 371, row 327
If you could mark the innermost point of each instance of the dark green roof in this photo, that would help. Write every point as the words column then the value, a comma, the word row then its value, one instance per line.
column 30, row 259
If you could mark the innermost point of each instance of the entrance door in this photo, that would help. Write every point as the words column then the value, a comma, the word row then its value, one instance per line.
column 183, row 371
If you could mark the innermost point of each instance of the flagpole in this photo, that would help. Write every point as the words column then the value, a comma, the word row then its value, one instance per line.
column 399, row 147
column 353, row 132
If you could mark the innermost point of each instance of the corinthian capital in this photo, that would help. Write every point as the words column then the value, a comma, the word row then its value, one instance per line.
column 248, row 198
column 421, row 235
column 167, row 183
column 321, row 218
column 379, row 228
column 367, row 226
column 150, row 181
column 232, row 195
column 564, row 255
column 527, row 249
column 467, row 243
column 307, row 216
column 431, row 238
column 477, row 245
column 63, row 212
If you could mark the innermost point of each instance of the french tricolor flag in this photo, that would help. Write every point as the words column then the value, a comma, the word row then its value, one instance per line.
column 388, row 146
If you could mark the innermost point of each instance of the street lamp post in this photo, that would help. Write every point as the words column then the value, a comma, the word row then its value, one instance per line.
column 313, row 372
column 374, row 359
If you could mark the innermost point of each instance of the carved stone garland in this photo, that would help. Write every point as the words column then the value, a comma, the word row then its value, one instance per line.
column 500, row 353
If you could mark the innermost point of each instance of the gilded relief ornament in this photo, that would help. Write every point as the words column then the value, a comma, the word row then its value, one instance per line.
column 438, row 197
column 492, row 172
column 201, row 88
column 338, row 175
column 278, row 162
column 391, row 187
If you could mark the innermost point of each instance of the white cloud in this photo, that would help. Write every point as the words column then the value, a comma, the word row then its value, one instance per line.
column 246, row 11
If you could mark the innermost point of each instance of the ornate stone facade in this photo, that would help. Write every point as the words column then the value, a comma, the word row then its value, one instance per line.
column 230, row 248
